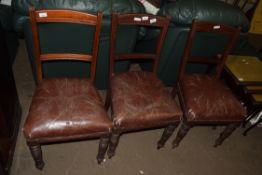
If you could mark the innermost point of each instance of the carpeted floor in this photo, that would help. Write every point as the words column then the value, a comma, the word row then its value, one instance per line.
column 136, row 153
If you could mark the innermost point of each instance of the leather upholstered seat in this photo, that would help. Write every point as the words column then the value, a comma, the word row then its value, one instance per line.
column 140, row 100
column 208, row 99
column 66, row 106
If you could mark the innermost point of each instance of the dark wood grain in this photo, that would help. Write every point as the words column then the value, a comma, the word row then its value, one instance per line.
column 64, row 16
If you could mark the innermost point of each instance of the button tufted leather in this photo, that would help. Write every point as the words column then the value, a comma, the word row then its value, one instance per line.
column 208, row 99
column 65, row 107
column 140, row 100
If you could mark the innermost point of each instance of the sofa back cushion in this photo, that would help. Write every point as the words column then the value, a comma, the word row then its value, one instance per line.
column 184, row 11
column 20, row 8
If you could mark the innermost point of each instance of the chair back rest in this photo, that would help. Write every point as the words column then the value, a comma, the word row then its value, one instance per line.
column 206, row 27
column 140, row 20
column 64, row 16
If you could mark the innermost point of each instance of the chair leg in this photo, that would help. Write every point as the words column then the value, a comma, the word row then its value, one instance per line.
column 181, row 134
column 251, row 127
column 36, row 151
column 226, row 133
column 113, row 144
column 103, row 145
column 165, row 136
column 251, row 115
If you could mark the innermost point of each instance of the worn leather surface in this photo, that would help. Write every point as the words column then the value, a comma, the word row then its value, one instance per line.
column 208, row 99
column 65, row 107
column 105, row 6
column 184, row 11
column 139, row 100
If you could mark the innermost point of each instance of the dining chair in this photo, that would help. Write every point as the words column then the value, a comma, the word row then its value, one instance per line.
column 205, row 99
column 138, row 99
column 65, row 109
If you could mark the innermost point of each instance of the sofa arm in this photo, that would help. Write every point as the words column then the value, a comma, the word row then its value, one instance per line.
column 6, row 24
column 6, row 17
column 184, row 11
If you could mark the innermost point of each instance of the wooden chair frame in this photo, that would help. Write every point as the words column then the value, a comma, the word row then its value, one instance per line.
column 64, row 16
column 137, row 20
column 218, row 62
column 134, row 20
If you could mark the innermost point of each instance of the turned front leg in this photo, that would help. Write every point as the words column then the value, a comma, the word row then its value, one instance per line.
column 226, row 133
column 165, row 136
column 103, row 145
column 113, row 144
column 36, row 152
column 181, row 134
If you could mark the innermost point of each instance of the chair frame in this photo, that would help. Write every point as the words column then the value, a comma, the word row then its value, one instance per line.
column 232, row 34
column 74, row 17
column 64, row 16
column 137, row 20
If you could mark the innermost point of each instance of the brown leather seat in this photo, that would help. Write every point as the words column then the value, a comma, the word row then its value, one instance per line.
column 139, row 100
column 208, row 99
column 205, row 99
column 65, row 109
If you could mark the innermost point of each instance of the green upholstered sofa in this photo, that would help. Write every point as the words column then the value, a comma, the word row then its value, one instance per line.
column 182, row 13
